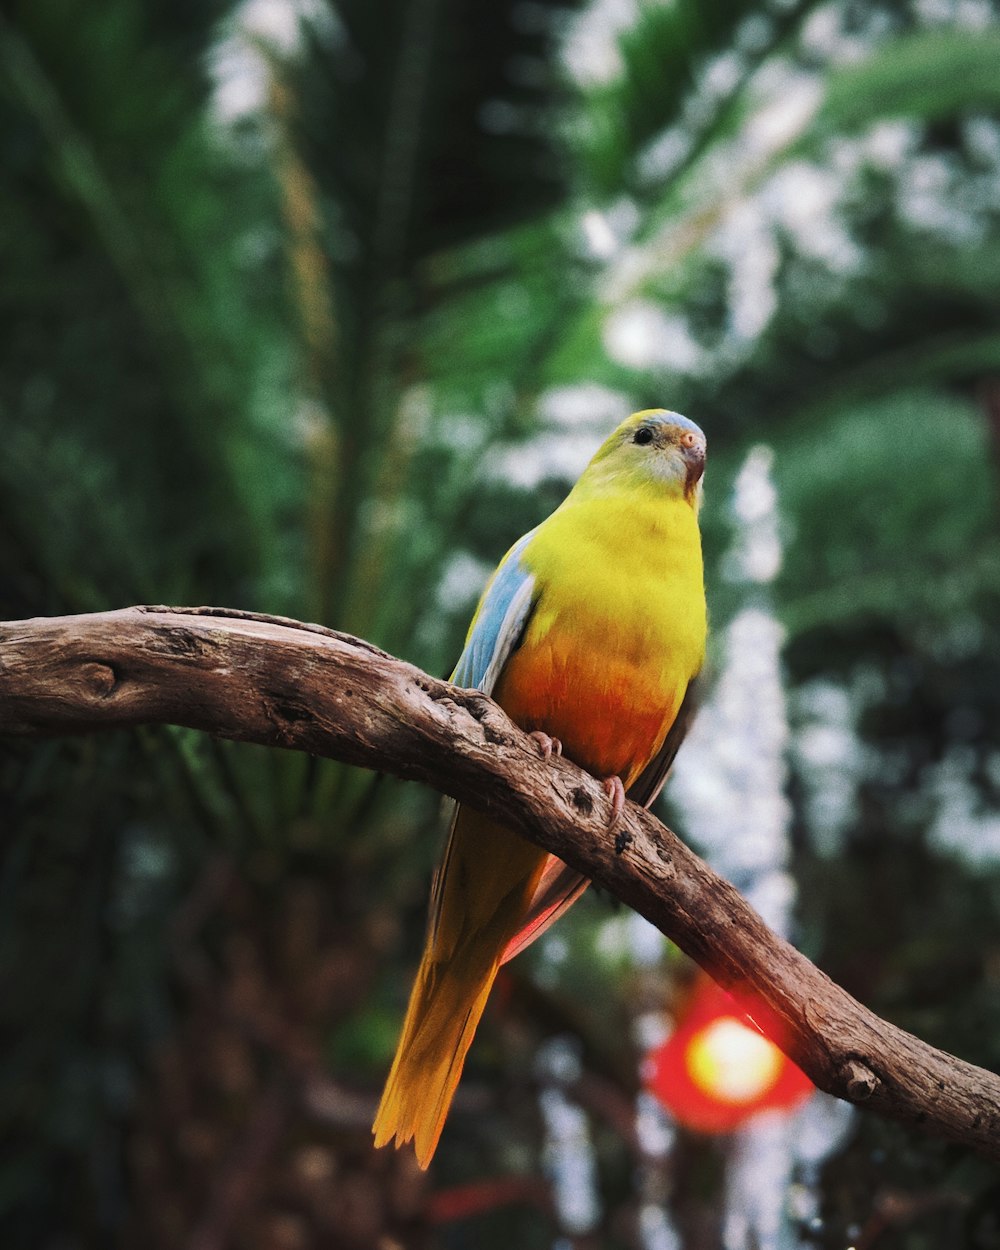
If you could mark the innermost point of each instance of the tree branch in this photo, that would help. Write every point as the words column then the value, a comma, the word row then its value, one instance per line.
column 283, row 683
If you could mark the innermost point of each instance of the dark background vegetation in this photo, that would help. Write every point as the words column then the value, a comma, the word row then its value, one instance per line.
column 310, row 350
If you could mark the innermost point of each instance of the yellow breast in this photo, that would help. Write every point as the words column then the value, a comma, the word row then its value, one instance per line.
column 618, row 631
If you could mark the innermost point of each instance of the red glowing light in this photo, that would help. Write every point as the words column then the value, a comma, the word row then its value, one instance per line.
column 717, row 1069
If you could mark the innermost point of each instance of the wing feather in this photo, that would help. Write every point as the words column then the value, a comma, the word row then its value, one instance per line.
column 496, row 630
column 499, row 623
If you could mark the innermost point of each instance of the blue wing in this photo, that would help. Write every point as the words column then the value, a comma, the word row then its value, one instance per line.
column 496, row 631
column 499, row 622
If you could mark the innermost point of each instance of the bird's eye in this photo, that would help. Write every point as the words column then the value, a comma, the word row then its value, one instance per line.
column 643, row 435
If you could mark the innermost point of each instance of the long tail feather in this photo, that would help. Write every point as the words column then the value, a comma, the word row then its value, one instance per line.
column 488, row 878
column 441, row 1022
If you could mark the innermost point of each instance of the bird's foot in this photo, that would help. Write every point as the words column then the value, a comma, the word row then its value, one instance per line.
column 547, row 746
column 615, row 791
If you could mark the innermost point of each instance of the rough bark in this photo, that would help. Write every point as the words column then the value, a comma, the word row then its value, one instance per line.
column 287, row 684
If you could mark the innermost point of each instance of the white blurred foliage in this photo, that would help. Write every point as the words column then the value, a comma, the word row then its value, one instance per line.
column 573, row 421
column 800, row 202
column 886, row 145
column 729, row 778
column 590, row 50
column 242, row 80
column 569, row 1157
column 656, row 1232
column 655, row 1132
column 627, row 935
column 656, row 1136
column 834, row 34
column 606, row 231
column 599, row 238
column 961, row 825
column 982, row 139
column 831, row 761
column 803, row 199
column 774, row 1172
column 714, row 83
column 587, row 407
column 645, row 941
column 568, row 1150
column 927, row 198
column 819, row 1127
column 278, row 23
column 463, row 430
column 549, row 456
column 555, row 949
column 257, row 31
column 145, row 863
column 761, row 201
column 461, row 581
column 755, row 554
column 754, row 33
column 783, row 101
column 972, row 14
column 747, row 244
column 662, row 155
column 651, row 1029
column 758, row 1173
column 641, row 335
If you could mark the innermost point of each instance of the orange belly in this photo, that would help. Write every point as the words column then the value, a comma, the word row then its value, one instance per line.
column 610, row 715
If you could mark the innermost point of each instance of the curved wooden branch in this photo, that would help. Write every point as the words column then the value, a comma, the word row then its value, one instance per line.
column 282, row 683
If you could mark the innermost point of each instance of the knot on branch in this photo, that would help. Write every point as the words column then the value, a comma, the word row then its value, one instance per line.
column 582, row 801
column 860, row 1081
column 495, row 726
column 98, row 679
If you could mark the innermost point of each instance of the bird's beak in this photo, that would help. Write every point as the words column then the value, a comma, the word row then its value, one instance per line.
column 694, row 458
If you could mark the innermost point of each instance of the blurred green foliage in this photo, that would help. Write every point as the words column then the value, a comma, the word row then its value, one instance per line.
column 315, row 317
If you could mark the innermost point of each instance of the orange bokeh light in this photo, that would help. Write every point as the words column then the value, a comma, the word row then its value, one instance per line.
column 717, row 1069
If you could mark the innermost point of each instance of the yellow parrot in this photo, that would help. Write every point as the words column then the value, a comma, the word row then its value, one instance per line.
column 589, row 635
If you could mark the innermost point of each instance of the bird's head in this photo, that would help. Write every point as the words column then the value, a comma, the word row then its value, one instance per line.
column 659, row 449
